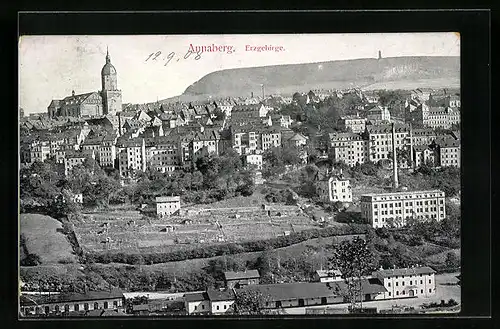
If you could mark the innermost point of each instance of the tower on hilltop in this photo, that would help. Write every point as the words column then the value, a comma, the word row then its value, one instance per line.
column 111, row 95
column 379, row 54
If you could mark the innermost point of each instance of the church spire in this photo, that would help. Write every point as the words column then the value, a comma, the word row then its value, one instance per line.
column 108, row 59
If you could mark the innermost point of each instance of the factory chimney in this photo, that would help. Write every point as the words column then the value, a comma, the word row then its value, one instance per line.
column 411, row 148
column 394, row 158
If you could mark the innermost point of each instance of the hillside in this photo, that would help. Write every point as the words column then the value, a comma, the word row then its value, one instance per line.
column 396, row 71
column 44, row 238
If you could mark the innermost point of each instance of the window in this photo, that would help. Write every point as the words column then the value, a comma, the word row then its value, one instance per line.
column 389, row 294
column 217, row 307
column 429, row 280
column 195, row 307
column 403, row 283
column 77, row 307
column 202, row 307
column 115, row 304
column 105, row 304
column 96, row 306
column 66, row 308
column 421, row 291
column 404, row 292
column 397, row 293
column 225, row 306
column 397, row 283
column 411, row 282
column 388, row 284
column 430, row 290
column 86, row 306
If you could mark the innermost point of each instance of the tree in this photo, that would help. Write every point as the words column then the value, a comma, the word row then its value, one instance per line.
column 355, row 260
column 251, row 302
column 452, row 261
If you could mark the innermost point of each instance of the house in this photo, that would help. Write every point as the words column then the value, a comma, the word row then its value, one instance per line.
column 371, row 289
column 253, row 159
column 407, row 282
column 352, row 123
column 327, row 275
column 221, row 301
column 335, row 189
column 240, row 279
column 448, row 150
column 197, row 303
column 298, row 294
column 297, row 140
column 74, row 159
column 379, row 138
column 65, row 303
column 349, row 148
column 141, row 309
column 166, row 205
column 131, row 155
column 380, row 208
column 423, row 154
column 379, row 113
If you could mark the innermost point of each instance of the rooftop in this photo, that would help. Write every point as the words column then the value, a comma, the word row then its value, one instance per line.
column 73, row 297
column 220, row 295
column 195, row 296
column 404, row 271
column 401, row 193
column 168, row 199
column 287, row 291
column 250, row 274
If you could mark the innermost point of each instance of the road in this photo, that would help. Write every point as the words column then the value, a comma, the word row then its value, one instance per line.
column 444, row 291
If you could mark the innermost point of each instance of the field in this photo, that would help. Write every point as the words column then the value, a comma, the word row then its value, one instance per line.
column 413, row 84
column 44, row 238
column 233, row 220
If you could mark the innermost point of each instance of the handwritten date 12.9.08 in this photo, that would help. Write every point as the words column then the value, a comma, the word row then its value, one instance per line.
column 158, row 56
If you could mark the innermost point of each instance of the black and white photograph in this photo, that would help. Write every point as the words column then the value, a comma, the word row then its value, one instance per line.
column 239, row 174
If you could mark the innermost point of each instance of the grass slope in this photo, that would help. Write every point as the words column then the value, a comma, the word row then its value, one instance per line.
column 44, row 239
column 332, row 74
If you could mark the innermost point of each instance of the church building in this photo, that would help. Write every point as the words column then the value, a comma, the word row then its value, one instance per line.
column 108, row 101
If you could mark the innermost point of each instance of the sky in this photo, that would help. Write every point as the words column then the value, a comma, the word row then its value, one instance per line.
column 51, row 67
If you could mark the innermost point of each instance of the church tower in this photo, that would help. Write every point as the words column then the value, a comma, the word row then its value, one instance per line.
column 111, row 95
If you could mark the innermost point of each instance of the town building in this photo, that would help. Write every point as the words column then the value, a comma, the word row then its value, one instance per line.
column 297, row 140
column 379, row 209
column 335, row 189
column 296, row 294
column 423, row 136
column 167, row 205
column 106, row 101
column 163, row 154
column 75, row 159
column 249, row 111
column 349, row 148
column 221, row 301
column 241, row 279
column 352, row 123
column 379, row 114
column 131, row 155
column 423, row 154
column 253, row 159
column 435, row 117
column 448, row 150
column 407, row 282
column 380, row 141
column 65, row 303
column 210, row 302
column 197, row 303
column 327, row 275
column 107, row 150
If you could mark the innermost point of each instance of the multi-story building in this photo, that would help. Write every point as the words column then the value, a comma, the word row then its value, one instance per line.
column 241, row 279
column 162, row 154
column 380, row 208
column 214, row 302
column 93, row 143
column 297, row 140
column 249, row 111
column 349, row 148
column 271, row 137
column 435, row 117
column 167, row 205
column 207, row 139
column 107, row 150
column 253, row 159
column 74, row 159
column 448, row 150
column 378, row 114
column 335, row 189
column 131, row 155
column 407, row 282
column 352, row 123
column 40, row 151
column 380, row 140
column 423, row 154
column 423, row 136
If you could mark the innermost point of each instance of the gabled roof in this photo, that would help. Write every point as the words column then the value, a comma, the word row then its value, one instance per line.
column 368, row 286
column 196, row 296
column 387, row 128
column 328, row 273
column 288, row 291
column 404, row 271
column 75, row 297
column 218, row 295
column 76, row 99
column 250, row 274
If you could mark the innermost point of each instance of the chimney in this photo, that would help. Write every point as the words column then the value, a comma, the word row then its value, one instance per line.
column 252, row 94
column 73, row 93
column 394, row 158
column 411, row 148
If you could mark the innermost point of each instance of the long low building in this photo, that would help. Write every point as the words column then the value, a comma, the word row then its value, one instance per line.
column 66, row 303
column 380, row 208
